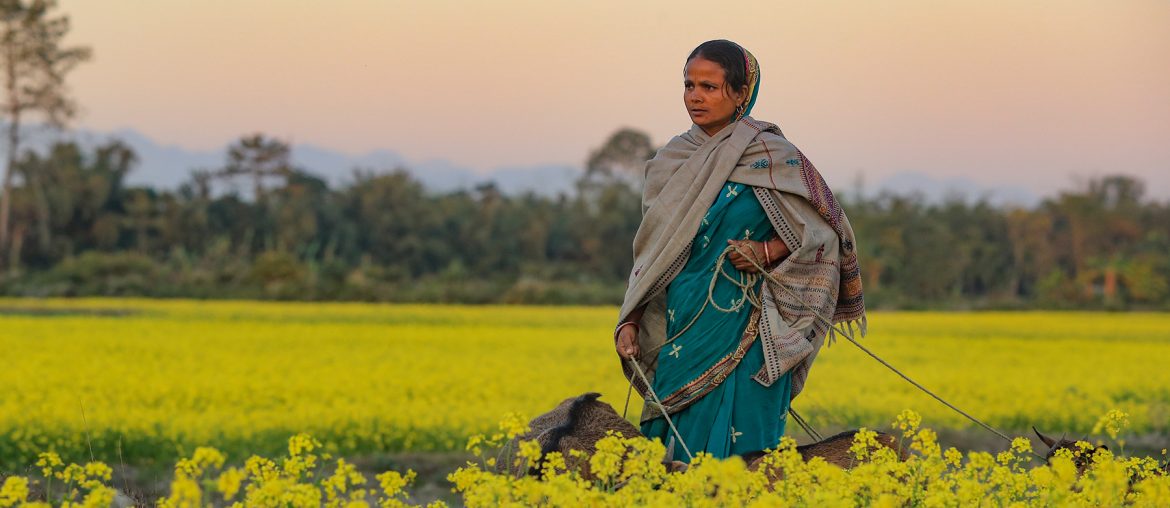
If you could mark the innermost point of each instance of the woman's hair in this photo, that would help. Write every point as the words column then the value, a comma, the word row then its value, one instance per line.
column 729, row 56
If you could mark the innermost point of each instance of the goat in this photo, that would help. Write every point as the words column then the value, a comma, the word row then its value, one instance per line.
column 836, row 449
column 1081, row 460
column 1081, row 457
column 577, row 423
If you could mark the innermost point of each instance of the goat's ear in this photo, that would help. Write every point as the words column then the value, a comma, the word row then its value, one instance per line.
column 669, row 452
column 1047, row 440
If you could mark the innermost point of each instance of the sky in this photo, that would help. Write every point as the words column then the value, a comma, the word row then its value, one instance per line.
column 1039, row 94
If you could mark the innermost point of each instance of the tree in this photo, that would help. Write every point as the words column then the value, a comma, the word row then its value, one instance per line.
column 259, row 158
column 608, row 202
column 70, row 200
column 623, row 155
column 34, row 66
column 297, row 207
column 397, row 226
column 619, row 161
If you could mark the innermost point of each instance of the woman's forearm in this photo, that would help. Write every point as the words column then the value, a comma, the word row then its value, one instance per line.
column 636, row 314
column 777, row 251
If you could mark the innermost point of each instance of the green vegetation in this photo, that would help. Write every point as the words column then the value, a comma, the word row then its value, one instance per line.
column 80, row 230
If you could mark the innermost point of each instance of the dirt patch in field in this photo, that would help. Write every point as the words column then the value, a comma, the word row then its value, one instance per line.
column 64, row 311
column 432, row 468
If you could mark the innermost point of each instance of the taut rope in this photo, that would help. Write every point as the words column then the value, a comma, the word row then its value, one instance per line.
column 804, row 425
column 849, row 336
column 747, row 284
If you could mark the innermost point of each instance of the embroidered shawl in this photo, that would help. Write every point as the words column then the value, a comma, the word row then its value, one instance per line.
column 681, row 182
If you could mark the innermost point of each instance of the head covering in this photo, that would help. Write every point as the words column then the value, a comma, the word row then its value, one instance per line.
column 752, row 71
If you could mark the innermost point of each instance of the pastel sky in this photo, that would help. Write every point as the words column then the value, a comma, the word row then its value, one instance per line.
column 1040, row 94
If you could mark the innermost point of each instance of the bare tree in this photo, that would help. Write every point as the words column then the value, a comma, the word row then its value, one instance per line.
column 34, row 65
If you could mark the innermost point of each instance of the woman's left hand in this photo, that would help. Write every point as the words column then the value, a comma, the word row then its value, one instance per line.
column 750, row 248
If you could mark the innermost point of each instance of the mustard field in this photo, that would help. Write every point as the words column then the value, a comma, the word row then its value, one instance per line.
column 147, row 382
column 628, row 472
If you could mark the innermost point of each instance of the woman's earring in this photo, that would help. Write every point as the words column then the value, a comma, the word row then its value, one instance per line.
column 739, row 110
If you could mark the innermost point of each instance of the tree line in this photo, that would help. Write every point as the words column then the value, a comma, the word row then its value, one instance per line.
column 261, row 227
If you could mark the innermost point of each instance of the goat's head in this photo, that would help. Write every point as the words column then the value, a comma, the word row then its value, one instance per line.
column 1081, row 455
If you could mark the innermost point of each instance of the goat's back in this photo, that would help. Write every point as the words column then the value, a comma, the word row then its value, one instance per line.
column 577, row 423
column 835, row 450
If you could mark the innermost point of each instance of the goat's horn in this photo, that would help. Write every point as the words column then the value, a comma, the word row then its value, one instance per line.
column 669, row 451
column 1047, row 440
column 588, row 397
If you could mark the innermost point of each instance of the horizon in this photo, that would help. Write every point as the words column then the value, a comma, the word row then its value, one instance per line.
column 173, row 166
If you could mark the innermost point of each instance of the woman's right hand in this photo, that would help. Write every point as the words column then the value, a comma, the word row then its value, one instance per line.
column 627, row 342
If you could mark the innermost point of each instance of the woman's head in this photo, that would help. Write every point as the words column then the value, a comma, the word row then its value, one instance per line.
column 719, row 82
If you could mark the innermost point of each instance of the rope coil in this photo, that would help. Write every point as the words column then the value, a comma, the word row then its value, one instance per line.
column 746, row 283
column 849, row 336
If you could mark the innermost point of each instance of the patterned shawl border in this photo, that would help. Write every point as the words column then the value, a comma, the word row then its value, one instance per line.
column 850, row 300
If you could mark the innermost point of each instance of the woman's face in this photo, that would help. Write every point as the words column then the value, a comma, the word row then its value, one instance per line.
column 709, row 101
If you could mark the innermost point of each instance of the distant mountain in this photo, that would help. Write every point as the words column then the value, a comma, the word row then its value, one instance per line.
column 159, row 165
column 167, row 166
column 936, row 190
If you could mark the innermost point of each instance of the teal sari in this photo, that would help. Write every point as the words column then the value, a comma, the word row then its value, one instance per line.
column 738, row 415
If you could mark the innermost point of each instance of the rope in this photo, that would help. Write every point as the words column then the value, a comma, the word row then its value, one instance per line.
column 849, row 336
column 629, row 392
column 654, row 396
column 804, row 425
column 747, row 283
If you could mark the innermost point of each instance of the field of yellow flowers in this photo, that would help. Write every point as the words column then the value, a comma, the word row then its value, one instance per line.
column 628, row 472
column 147, row 382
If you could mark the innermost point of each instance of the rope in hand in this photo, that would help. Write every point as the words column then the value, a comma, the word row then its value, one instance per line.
column 746, row 283
column 849, row 337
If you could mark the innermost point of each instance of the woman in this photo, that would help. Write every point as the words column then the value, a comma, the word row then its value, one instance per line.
column 725, row 345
